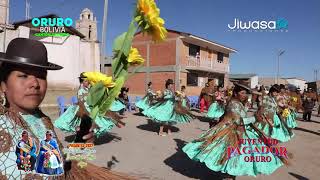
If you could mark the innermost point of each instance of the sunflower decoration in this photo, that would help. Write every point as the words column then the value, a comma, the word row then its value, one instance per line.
column 285, row 113
column 294, row 99
column 148, row 19
column 178, row 93
column 95, row 77
column 134, row 57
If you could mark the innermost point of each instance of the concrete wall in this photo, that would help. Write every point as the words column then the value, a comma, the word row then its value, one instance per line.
column 64, row 51
column 12, row 34
column 269, row 81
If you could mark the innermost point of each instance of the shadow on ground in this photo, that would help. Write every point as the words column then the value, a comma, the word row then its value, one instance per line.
column 106, row 138
column 298, row 176
column 181, row 163
column 154, row 127
column 138, row 114
column 70, row 138
column 306, row 130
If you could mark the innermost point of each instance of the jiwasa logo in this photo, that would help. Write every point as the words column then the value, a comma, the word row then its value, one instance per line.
column 278, row 25
column 52, row 26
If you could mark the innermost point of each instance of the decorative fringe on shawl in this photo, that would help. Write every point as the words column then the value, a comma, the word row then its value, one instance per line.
column 227, row 131
column 181, row 109
column 230, row 133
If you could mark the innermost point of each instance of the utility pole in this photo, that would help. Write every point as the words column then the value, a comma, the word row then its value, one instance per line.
column 103, row 37
column 27, row 9
column 6, row 19
column 280, row 52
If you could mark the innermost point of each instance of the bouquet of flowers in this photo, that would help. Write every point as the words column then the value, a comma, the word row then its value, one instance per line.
column 105, row 89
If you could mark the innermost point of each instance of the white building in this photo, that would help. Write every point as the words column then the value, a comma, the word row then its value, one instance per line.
column 297, row 82
column 77, row 53
column 252, row 80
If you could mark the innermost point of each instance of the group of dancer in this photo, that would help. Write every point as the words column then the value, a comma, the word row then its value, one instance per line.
column 232, row 120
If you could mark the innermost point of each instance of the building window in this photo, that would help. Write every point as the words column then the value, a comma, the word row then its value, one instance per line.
column 192, row 79
column 88, row 16
column 220, row 57
column 89, row 31
column 194, row 50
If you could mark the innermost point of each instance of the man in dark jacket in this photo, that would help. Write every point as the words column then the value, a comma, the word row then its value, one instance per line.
column 308, row 105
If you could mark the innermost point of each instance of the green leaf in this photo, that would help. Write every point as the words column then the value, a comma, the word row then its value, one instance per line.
column 113, row 93
column 118, row 42
column 138, row 18
column 129, row 37
column 115, row 63
column 94, row 112
column 122, row 46
column 96, row 92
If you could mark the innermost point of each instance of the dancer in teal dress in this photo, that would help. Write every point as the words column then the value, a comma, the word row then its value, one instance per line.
column 214, row 147
column 167, row 111
column 117, row 106
column 184, row 100
column 284, row 110
column 70, row 120
column 216, row 109
column 269, row 121
column 147, row 101
column 294, row 106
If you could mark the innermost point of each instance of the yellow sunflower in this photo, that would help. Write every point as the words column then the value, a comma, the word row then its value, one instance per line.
column 285, row 113
column 149, row 20
column 95, row 77
column 134, row 57
column 294, row 99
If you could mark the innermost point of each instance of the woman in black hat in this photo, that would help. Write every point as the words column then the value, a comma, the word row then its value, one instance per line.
column 268, row 116
column 23, row 74
column 147, row 100
column 167, row 112
column 217, row 147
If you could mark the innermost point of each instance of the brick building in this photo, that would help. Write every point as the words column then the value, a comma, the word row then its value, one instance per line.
column 187, row 59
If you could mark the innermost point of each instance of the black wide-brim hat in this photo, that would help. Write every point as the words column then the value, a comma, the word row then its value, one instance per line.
column 243, row 86
column 169, row 81
column 27, row 52
column 275, row 88
column 82, row 76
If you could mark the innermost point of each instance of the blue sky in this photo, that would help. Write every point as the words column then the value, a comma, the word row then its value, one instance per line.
column 209, row 19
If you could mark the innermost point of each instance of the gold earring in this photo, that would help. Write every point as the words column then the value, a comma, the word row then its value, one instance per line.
column 3, row 99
